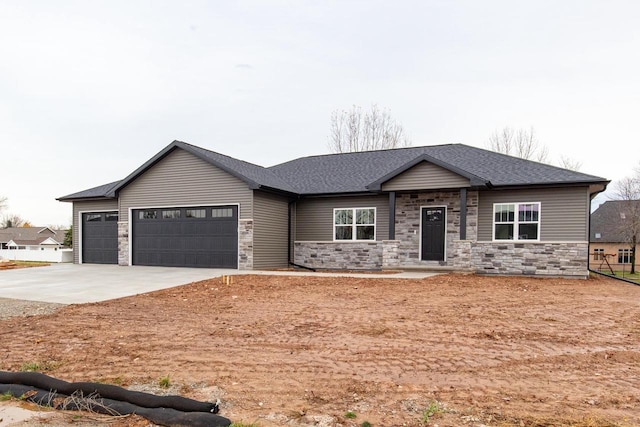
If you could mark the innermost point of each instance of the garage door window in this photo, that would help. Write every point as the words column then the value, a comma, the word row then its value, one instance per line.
column 111, row 217
column 148, row 214
column 94, row 217
column 221, row 213
column 172, row 214
column 195, row 213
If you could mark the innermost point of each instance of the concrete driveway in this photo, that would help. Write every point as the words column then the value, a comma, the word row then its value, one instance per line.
column 82, row 283
column 74, row 283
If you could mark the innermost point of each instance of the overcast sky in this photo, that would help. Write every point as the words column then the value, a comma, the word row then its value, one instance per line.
column 90, row 90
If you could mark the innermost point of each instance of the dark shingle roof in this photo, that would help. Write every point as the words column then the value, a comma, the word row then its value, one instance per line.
column 353, row 172
column 30, row 235
column 610, row 224
column 365, row 171
column 100, row 191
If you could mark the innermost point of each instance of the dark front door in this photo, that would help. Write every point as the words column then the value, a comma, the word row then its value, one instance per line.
column 100, row 237
column 433, row 233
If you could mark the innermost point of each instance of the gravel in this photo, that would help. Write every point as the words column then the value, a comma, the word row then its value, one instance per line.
column 22, row 308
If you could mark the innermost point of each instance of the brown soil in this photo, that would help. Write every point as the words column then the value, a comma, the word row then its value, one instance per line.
column 305, row 350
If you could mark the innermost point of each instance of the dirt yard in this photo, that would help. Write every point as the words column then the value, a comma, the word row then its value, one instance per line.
column 451, row 350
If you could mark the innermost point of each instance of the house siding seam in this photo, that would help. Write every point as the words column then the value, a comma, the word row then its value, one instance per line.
column 182, row 179
column 270, row 230
column 425, row 176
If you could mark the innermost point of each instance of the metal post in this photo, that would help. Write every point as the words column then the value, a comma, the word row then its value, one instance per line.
column 392, row 215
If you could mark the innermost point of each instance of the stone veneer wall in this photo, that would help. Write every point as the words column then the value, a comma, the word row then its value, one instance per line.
column 408, row 211
column 390, row 257
column 339, row 255
column 123, row 242
column 530, row 258
column 245, row 244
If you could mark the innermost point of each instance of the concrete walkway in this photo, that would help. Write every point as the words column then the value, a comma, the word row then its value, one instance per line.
column 76, row 284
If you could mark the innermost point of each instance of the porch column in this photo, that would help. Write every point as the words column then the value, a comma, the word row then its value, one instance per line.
column 392, row 215
column 463, row 214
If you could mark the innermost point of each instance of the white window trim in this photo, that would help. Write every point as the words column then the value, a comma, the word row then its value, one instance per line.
column 516, row 224
column 354, row 231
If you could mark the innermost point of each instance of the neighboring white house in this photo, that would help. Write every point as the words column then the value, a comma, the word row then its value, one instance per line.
column 34, row 244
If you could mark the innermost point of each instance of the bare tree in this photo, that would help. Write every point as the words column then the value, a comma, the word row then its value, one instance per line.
column 11, row 220
column 355, row 130
column 569, row 163
column 3, row 202
column 627, row 192
column 520, row 143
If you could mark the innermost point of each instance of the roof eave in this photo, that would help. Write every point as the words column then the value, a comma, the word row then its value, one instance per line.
column 551, row 184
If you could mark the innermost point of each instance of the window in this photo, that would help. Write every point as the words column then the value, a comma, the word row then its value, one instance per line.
column 195, row 213
column 221, row 213
column 354, row 224
column 598, row 254
column 171, row 214
column 94, row 217
column 148, row 214
column 111, row 217
column 624, row 256
column 516, row 221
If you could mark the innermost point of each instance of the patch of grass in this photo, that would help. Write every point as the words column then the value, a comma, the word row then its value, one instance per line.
column 365, row 424
column 31, row 263
column 625, row 274
column 433, row 409
column 164, row 382
column 38, row 366
column 6, row 396
column 241, row 424
column 350, row 415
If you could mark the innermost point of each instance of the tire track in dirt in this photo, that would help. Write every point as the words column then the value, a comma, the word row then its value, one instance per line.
column 283, row 348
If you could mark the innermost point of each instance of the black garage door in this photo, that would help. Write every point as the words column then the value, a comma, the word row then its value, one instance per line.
column 186, row 237
column 100, row 238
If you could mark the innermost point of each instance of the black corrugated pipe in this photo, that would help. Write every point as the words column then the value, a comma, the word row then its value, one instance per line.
column 614, row 277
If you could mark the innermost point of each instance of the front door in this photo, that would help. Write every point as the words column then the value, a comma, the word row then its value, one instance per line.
column 433, row 233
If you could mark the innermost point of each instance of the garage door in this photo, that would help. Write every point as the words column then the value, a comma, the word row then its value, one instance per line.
column 100, row 237
column 186, row 237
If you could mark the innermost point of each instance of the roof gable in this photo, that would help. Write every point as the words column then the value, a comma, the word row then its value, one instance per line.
column 611, row 221
column 253, row 175
column 462, row 178
column 35, row 235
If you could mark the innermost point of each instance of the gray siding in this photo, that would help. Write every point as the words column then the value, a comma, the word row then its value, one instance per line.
column 182, row 179
column 89, row 206
column 564, row 212
column 314, row 219
column 425, row 176
column 270, row 231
